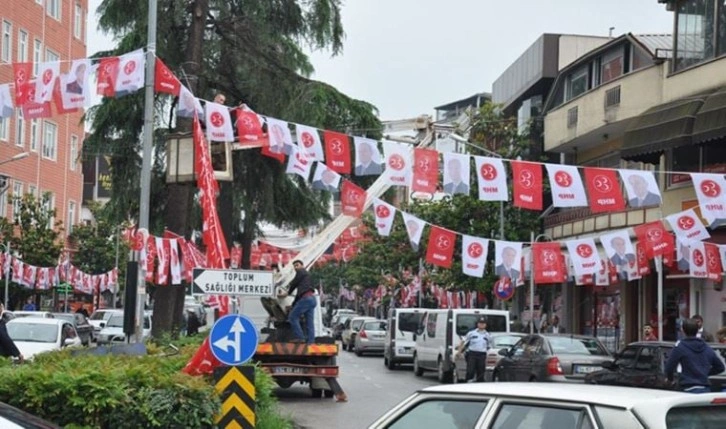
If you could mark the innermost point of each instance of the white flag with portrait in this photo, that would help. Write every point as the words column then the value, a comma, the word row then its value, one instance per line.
column 219, row 122
column 566, row 186
column 697, row 267
column 492, row 179
column 130, row 72
column 367, row 157
column 474, row 252
column 385, row 213
column 710, row 192
column 176, row 265
column 687, row 226
column 308, row 141
column 621, row 253
column 508, row 259
column 188, row 104
column 456, row 173
column 47, row 75
column 298, row 163
column 279, row 135
column 74, row 85
column 6, row 102
column 584, row 256
column 414, row 227
column 399, row 163
column 641, row 188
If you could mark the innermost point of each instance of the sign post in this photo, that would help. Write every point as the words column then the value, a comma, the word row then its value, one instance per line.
column 232, row 282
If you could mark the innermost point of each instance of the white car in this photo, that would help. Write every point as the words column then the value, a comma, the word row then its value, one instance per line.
column 113, row 331
column 99, row 318
column 554, row 406
column 46, row 314
column 34, row 335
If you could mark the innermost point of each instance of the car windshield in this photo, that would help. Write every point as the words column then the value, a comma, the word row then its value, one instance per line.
column 100, row 315
column 467, row 322
column 702, row 417
column 501, row 341
column 375, row 326
column 33, row 332
column 409, row 322
column 579, row 346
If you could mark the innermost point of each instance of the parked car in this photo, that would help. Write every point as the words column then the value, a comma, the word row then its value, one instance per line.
column 642, row 364
column 46, row 314
column 403, row 323
column 338, row 324
column 547, row 406
column 11, row 417
column 551, row 357
column 371, row 338
column 34, row 335
column 113, row 332
column 80, row 322
column 500, row 340
column 99, row 318
column 350, row 329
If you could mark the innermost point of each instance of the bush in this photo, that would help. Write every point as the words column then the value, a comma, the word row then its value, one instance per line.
column 86, row 391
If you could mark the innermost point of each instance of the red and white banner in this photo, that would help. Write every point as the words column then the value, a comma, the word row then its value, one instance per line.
column 352, row 199
column 175, row 262
column 425, row 170
column 398, row 163
column 602, row 277
column 698, row 267
column 713, row 262
column 337, row 151
column 641, row 187
column 29, row 274
column 527, row 184
column 308, row 141
column 164, row 79
column 385, row 213
column 298, row 163
column 18, row 267
column 642, row 260
column 687, row 226
column 280, row 136
column 367, row 157
column 48, row 73
column 440, row 249
column 584, row 256
column 492, row 183
column 219, row 122
column 456, row 173
column 655, row 239
column 414, row 228
column 249, row 128
column 547, row 260
column 603, row 188
column 24, row 90
column 710, row 192
column 106, row 76
column 474, row 252
column 566, row 186
column 130, row 72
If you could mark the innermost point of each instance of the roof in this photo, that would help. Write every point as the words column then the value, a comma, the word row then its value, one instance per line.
column 612, row 396
column 468, row 101
column 38, row 320
column 659, row 45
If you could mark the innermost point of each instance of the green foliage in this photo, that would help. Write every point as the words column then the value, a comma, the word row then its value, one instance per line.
column 96, row 244
column 34, row 234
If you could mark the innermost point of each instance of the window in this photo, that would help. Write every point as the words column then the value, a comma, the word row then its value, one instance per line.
column 531, row 416
column 701, row 417
column 577, row 83
column 37, row 52
column 78, row 21
column 71, row 216
column 4, row 129
column 626, row 358
column 53, row 8
column 695, row 36
column 17, row 195
column 4, row 203
column 431, row 325
column 34, row 134
column 19, row 128
column 74, row 152
column 6, row 54
column 22, row 46
column 50, row 140
column 441, row 413
column 49, row 207
column 33, row 190
column 51, row 55
column 611, row 65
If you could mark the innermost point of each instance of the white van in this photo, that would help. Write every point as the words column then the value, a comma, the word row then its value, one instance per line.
column 440, row 333
column 402, row 326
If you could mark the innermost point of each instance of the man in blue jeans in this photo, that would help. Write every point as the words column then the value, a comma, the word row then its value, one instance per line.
column 697, row 360
column 304, row 304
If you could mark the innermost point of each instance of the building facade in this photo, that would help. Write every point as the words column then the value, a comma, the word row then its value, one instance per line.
column 37, row 31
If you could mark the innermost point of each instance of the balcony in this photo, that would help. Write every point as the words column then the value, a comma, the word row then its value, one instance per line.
column 581, row 221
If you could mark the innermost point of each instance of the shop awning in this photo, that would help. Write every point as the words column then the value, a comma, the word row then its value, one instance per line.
column 662, row 127
column 711, row 118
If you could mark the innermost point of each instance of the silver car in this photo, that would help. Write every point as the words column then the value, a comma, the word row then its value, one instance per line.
column 350, row 330
column 371, row 337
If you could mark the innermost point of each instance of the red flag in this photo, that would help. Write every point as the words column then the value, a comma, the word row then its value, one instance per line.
column 235, row 257
column 655, row 239
column 425, row 170
column 527, row 184
column 352, row 199
column 603, row 188
column 612, row 273
column 203, row 361
column 277, row 155
column 164, row 79
column 642, row 259
column 547, row 258
column 32, row 110
column 249, row 129
column 106, row 76
column 337, row 152
column 24, row 90
column 150, row 257
column 713, row 262
column 58, row 101
column 440, row 250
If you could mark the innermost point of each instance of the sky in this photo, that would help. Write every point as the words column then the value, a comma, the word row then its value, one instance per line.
column 408, row 56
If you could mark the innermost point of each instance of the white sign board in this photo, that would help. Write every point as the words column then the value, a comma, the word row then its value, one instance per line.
column 232, row 282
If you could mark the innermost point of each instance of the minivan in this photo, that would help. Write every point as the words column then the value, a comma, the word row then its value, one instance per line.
column 440, row 333
column 402, row 326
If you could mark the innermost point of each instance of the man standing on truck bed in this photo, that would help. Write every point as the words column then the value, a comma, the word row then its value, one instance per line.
column 304, row 303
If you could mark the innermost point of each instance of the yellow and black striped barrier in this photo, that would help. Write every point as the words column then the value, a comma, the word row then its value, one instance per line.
column 236, row 388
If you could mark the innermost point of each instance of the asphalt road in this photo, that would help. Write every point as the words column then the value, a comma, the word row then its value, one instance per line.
column 372, row 389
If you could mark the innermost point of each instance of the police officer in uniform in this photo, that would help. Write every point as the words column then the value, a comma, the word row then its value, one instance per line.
column 476, row 343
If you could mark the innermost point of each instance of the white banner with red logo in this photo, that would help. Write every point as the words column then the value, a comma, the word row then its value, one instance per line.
column 48, row 73
column 710, row 192
column 687, row 226
column 175, row 261
column 440, row 249
column 698, row 267
column 298, row 163
column 308, row 140
column 130, row 76
column 219, row 122
column 584, row 256
column 385, row 214
column 399, row 166
column 602, row 277
column 492, row 183
column 474, row 252
column 566, row 186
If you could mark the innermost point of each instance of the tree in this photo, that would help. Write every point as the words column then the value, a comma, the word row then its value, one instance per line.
column 253, row 52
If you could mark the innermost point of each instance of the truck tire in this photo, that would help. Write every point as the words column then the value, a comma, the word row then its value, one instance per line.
column 417, row 370
column 316, row 393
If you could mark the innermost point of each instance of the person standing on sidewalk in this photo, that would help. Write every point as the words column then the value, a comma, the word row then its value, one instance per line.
column 303, row 305
column 476, row 343
column 7, row 345
column 697, row 359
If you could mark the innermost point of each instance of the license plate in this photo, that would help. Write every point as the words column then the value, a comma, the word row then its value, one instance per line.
column 586, row 369
column 288, row 370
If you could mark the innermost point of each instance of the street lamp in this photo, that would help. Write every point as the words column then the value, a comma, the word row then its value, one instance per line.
column 16, row 157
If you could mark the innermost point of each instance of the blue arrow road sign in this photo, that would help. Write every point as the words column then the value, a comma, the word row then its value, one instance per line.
column 233, row 339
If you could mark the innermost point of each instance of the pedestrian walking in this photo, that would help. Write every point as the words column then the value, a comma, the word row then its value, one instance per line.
column 7, row 345
column 475, row 346
column 697, row 359
column 303, row 305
